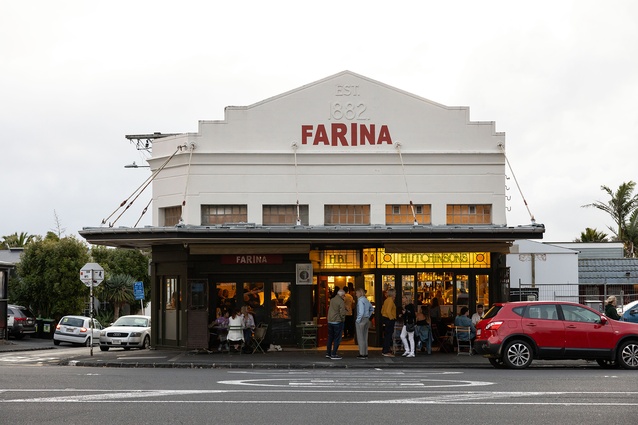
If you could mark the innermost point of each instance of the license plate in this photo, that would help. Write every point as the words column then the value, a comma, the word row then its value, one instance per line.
column 116, row 342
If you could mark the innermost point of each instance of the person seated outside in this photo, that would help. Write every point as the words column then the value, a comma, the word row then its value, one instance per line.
column 423, row 330
column 219, row 328
column 463, row 320
column 476, row 317
column 235, row 329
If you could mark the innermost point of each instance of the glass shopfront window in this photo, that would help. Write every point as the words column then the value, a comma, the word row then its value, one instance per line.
column 227, row 296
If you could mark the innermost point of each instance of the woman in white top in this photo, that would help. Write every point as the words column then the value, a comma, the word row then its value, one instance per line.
column 235, row 329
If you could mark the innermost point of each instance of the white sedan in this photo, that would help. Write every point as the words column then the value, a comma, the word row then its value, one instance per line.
column 127, row 332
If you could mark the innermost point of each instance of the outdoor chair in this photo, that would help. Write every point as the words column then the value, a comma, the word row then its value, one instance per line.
column 235, row 337
column 308, row 335
column 397, row 343
column 258, row 338
column 463, row 340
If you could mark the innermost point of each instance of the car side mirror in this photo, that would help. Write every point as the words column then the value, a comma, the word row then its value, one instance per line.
column 603, row 320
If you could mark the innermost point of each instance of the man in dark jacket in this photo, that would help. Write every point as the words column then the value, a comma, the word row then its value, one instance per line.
column 336, row 317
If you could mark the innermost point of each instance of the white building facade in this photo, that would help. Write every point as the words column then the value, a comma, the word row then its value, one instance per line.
column 344, row 182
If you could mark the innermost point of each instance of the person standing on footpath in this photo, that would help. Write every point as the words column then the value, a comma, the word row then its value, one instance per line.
column 610, row 308
column 348, row 326
column 409, row 326
column 388, row 317
column 336, row 316
column 364, row 312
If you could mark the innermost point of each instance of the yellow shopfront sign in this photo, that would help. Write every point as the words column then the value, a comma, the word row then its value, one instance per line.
column 377, row 258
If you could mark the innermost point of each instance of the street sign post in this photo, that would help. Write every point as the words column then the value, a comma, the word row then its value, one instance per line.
column 92, row 274
column 138, row 293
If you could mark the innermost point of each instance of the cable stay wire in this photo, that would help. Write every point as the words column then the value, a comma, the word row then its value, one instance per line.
column 140, row 189
column 143, row 212
column 188, row 175
column 294, row 150
column 531, row 216
column 405, row 179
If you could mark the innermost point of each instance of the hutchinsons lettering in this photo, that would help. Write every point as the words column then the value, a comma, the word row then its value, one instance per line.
column 340, row 134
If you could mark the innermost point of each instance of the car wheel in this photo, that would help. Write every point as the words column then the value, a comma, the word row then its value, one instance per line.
column 146, row 343
column 607, row 364
column 19, row 336
column 88, row 342
column 104, row 348
column 518, row 355
column 496, row 362
column 628, row 355
column 56, row 342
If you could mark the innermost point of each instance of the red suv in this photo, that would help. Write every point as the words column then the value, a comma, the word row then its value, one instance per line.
column 513, row 334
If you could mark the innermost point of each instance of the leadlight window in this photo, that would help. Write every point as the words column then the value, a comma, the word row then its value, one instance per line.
column 346, row 214
column 172, row 215
column 284, row 215
column 469, row 214
column 224, row 214
column 402, row 214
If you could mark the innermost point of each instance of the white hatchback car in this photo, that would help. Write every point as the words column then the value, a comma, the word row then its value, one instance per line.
column 127, row 332
column 77, row 330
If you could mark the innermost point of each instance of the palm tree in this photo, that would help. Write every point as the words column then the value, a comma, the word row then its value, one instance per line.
column 17, row 240
column 118, row 290
column 592, row 235
column 620, row 207
column 631, row 234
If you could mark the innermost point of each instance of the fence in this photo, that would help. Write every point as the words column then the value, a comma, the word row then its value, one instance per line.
column 593, row 296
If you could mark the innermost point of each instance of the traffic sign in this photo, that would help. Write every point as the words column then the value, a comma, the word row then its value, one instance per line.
column 92, row 274
column 138, row 290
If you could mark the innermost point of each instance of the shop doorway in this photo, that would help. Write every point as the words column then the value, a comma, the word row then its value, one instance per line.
column 326, row 289
column 170, row 312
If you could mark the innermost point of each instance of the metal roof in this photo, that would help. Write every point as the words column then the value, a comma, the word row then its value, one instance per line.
column 146, row 237
column 608, row 270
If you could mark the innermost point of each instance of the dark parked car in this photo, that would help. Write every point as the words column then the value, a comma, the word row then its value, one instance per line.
column 20, row 321
column 513, row 334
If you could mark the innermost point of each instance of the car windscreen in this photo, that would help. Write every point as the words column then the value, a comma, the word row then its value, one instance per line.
column 131, row 321
column 72, row 321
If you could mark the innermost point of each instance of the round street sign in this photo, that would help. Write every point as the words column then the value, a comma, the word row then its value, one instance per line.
column 92, row 274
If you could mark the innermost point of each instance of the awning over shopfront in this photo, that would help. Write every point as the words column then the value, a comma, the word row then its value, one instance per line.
column 206, row 239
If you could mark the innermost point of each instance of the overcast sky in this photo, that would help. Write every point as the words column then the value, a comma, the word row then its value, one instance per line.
column 558, row 77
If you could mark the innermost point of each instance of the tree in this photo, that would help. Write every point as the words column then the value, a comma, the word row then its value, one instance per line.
column 17, row 240
column 130, row 262
column 631, row 234
column 620, row 207
column 592, row 235
column 58, row 230
column 117, row 290
column 49, row 277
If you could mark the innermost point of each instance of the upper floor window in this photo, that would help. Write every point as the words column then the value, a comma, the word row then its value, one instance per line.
column 469, row 214
column 346, row 214
column 284, row 215
column 171, row 215
column 223, row 214
column 402, row 214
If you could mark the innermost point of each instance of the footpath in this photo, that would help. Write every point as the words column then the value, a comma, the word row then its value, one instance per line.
column 288, row 358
